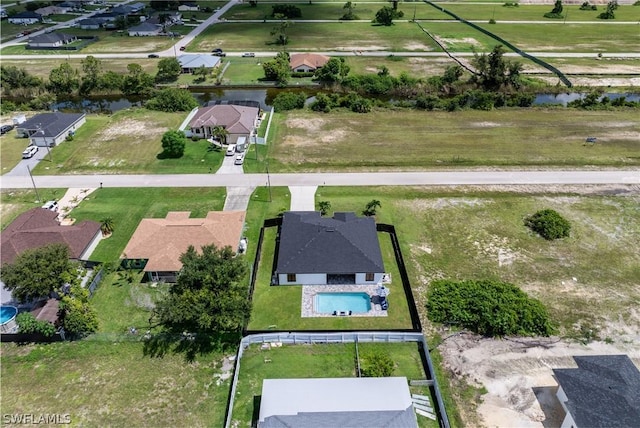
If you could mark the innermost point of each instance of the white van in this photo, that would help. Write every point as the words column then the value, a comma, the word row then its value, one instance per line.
column 231, row 150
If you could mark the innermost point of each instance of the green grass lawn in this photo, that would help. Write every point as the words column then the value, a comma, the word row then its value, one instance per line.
column 128, row 206
column 411, row 140
column 314, row 361
column 11, row 147
column 129, row 141
column 101, row 383
column 41, row 67
column 16, row 201
column 466, row 234
column 314, row 37
column 529, row 12
column 280, row 306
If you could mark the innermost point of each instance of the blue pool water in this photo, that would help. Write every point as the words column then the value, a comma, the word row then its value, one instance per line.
column 7, row 313
column 326, row 303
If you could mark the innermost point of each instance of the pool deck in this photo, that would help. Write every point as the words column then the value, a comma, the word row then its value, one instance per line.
column 309, row 293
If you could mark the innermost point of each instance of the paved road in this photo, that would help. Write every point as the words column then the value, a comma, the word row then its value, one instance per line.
column 331, row 179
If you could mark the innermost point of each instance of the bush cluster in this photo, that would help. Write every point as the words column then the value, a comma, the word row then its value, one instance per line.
column 27, row 323
column 376, row 363
column 289, row 101
column 286, row 10
column 487, row 307
column 549, row 224
column 352, row 101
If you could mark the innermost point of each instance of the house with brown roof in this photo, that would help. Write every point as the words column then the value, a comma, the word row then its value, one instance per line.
column 158, row 243
column 307, row 62
column 239, row 121
column 39, row 227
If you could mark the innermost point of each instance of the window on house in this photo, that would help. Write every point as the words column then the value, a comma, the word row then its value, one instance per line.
column 368, row 276
column 197, row 130
column 291, row 277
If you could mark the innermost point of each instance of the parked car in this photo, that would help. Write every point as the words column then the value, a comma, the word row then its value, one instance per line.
column 51, row 205
column 29, row 152
column 182, row 48
column 217, row 50
column 153, row 56
column 248, row 55
column 239, row 159
column 5, row 128
column 219, row 54
column 231, row 150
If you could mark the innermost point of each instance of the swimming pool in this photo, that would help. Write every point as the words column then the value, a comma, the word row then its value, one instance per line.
column 327, row 303
column 7, row 319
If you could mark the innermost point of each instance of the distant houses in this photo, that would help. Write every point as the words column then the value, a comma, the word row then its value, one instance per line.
column 307, row 62
column 50, row 40
column 25, row 18
column 146, row 29
column 191, row 62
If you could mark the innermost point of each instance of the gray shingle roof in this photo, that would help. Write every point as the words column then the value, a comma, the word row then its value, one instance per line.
column 604, row 391
column 310, row 243
column 52, row 38
column 145, row 27
column 51, row 124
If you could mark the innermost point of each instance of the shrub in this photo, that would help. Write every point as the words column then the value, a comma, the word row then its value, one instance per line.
column 376, row 364
column 172, row 100
column 173, row 144
column 548, row 224
column 492, row 21
column 587, row 6
column 69, row 137
column 27, row 323
column 487, row 307
column 289, row 101
column 511, row 4
column 78, row 317
column 287, row 10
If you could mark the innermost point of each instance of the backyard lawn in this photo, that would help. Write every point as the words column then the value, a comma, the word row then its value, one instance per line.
column 100, row 383
column 315, row 361
column 17, row 201
column 129, row 141
column 414, row 140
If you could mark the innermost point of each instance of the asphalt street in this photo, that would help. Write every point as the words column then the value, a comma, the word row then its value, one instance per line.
column 432, row 178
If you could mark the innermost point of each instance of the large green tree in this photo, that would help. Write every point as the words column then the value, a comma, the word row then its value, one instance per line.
column 137, row 81
column 64, row 79
column 208, row 298
column 386, row 15
column 169, row 70
column 36, row 273
column 494, row 72
column 335, row 70
column 173, row 144
column 171, row 100
column 92, row 69
column 280, row 30
column 278, row 69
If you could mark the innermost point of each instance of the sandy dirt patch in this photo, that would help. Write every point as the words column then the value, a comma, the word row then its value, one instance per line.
column 420, row 205
column 361, row 48
column 417, row 47
column 465, row 40
column 129, row 127
column 313, row 124
column 517, row 374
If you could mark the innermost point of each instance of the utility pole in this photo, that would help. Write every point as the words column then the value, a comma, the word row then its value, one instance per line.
column 34, row 184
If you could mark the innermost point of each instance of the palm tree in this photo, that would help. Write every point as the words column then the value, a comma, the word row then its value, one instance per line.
column 106, row 225
column 324, row 206
column 220, row 133
column 371, row 208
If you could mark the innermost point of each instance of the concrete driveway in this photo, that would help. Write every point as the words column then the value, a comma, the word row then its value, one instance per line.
column 303, row 198
column 21, row 168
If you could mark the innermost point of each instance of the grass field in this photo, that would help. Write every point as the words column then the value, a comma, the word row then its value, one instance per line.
column 11, row 148
column 463, row 234
column 314, row 37
column 315, row 361
column 105, row 383
column 128, row 206
column 41, row 67
column 280, row 306
column 14, row 202
column 129, row 142
column 411, row 140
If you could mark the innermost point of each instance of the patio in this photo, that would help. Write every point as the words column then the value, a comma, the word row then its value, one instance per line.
column 309, row 293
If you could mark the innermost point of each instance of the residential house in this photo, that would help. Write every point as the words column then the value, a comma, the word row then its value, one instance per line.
column 604, row 391
column 381, row 402
column 307, row 62
column 25, row 18
column 188, row 7
column 145, row 29
column 39, row 227
column 191, row 62
column 50, row 40
column 158, row 243
column 239, row 121
column 317, row 250
column 128, row 9
column 107, row 19
column 52, row 10
column 50, row 129
column 90, row 24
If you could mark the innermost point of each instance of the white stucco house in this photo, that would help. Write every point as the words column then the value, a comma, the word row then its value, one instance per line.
column 316, row 250
column 25, row 18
